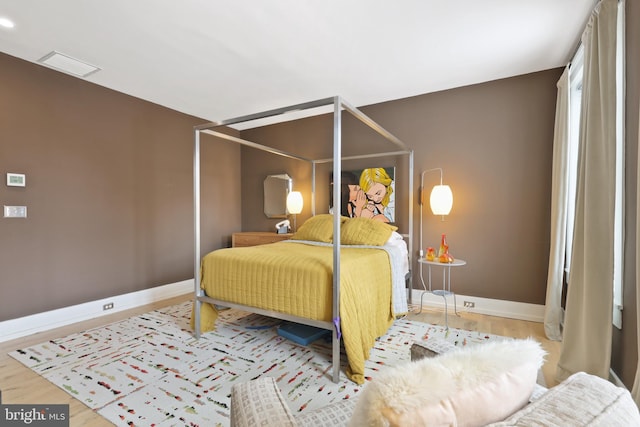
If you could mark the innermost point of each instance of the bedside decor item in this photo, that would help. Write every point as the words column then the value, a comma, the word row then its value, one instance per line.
column 443, row 254
column 443, row 245
column 431, row 254
column 283, row 226
column 294, row 205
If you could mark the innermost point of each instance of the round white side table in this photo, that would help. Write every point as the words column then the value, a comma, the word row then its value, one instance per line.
column 446, row 283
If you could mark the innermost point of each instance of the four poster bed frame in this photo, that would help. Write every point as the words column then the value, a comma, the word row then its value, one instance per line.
column 339, row 105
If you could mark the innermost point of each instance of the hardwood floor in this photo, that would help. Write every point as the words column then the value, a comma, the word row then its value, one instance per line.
column 20, row 385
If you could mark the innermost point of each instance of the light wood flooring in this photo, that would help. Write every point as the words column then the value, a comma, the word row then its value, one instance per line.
column 20, row 385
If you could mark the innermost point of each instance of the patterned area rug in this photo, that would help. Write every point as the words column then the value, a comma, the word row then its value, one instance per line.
column 148, row 370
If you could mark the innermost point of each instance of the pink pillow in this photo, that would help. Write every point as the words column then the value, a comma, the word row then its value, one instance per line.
column 471, row 386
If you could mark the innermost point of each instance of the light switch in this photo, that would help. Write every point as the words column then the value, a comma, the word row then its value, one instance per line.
column 15, row 211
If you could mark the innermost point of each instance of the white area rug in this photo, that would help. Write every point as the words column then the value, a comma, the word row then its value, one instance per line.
column 148, row 370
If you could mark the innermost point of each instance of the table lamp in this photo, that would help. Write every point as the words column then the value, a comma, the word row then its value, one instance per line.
column 294, row 205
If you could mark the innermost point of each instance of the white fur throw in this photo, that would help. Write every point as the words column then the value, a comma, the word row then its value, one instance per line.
column 471, row 386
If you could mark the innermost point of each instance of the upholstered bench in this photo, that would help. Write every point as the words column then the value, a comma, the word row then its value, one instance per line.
column 260, row 403
column 581, row 400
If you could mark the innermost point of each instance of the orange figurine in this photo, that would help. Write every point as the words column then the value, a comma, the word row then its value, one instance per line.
column 431, row 254
column 443, row 253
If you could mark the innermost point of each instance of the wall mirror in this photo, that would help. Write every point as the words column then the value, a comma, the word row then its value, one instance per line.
column 276, row 188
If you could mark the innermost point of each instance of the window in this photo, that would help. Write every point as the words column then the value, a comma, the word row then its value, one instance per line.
column 619, row 200
column 575, row 97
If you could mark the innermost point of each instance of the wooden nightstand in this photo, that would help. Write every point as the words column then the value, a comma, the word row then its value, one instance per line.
column 254, row 238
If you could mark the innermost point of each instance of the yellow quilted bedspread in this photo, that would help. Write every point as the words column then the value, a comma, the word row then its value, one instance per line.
column 296, row 278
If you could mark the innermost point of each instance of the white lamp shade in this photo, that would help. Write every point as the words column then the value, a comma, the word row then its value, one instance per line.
column 441, row 200
column 294, row 202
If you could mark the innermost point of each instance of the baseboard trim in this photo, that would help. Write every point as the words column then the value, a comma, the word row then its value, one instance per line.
column 27, row 325
column 23, row 326
column 488, row 306
column 615, row 379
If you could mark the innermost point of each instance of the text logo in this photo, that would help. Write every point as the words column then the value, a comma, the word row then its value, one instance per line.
column 33, row 415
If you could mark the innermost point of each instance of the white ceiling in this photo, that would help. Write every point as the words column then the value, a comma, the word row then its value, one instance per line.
column 218, row 59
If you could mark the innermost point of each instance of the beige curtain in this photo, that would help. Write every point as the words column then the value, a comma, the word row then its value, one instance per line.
column 586, row 342
column 636, row 383
column 553, row 312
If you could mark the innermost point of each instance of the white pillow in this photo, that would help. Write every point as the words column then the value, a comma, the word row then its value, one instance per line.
column 471, row 386
column 395, row 236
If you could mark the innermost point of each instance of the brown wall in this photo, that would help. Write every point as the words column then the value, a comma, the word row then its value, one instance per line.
column 494, row 141
column 109, row 191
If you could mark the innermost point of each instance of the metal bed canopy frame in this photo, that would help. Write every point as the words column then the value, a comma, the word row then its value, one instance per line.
column 339, row 104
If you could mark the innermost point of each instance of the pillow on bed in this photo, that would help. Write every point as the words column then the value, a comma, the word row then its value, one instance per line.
column 472, row 386
column 318, row 228
column 365, row 231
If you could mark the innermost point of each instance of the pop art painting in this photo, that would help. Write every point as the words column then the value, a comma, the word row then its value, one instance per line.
column 367, row 193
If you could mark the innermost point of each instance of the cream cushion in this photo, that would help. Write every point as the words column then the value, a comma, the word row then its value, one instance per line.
column 473, row 386
column 259, row 402
column 579, row 401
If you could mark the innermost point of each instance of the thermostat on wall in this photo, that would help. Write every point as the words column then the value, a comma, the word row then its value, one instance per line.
column 16, row 180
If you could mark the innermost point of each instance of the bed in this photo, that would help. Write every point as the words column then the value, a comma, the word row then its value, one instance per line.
column 323, row 287
column 294, row 278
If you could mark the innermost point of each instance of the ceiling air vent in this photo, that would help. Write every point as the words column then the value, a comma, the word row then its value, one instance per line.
column 67, row 64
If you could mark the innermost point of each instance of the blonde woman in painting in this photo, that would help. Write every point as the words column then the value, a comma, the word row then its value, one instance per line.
column 371, row 200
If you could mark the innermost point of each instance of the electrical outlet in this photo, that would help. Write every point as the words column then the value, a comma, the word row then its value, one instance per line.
column 15, row 211
column 469, row 304
column 107, row 306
